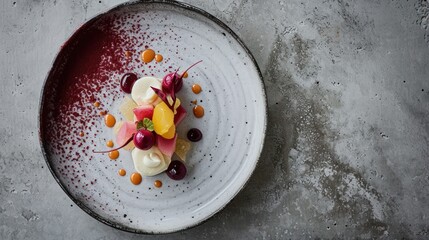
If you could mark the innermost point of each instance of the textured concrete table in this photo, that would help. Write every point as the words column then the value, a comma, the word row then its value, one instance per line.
column 346, row 153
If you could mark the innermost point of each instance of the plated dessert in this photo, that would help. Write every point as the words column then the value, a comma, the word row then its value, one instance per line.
column 152, row 115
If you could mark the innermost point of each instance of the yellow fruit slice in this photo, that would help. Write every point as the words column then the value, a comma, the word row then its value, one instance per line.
column 163, row 119
column 170, row 133
column 176, row 104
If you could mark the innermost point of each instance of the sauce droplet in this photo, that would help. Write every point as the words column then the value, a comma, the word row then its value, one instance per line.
column 96, row 104
column 128, row 54
column 114, row 154
column 198, row 111
column 194, row 102
column 185, row 75
column 194, row 135
column 81, row 134
column 196, row 88
column 148, row 55
column 157, row 184
column 102, row 113
column 158, row 57
column 109, row 120
column 122, row 172
column 136, row 178
column 109, row 144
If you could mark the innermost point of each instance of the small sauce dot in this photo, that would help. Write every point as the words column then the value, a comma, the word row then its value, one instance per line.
column 196, row 88
column 157, row 184
column 81, row 134
column 128, row 54
column 136, row 178
column 102, row 113
column 114, row 154
column 97, row 104
column 122, row 172
column 185, row 75
column 109, row 120
column 198, row 111
column 148, row 55
column 109, row 144
column 194, row 102
column 158, row 57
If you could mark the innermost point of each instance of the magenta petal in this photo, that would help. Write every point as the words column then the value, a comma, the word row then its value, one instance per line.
column 161, row 95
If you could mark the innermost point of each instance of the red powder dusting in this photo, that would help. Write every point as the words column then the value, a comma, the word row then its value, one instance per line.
column 85, row 71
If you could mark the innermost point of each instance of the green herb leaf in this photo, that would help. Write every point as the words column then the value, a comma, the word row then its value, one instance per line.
column 140, row 125
column 148, row 124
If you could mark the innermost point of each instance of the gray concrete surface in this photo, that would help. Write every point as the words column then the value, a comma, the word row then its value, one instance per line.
column 346, row 154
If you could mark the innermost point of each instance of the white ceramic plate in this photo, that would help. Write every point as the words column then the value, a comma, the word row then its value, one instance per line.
column 88, row 69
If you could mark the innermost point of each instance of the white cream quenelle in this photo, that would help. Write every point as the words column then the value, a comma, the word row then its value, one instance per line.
column 142, row 92
column 150, row 162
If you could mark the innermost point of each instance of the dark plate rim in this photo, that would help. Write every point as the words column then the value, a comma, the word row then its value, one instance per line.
column 42, row 101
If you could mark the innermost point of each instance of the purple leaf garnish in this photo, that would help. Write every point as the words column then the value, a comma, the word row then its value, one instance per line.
column 163, row 97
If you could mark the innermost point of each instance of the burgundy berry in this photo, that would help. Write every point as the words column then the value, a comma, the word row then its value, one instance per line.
column 127, row 82
column 194, row 135
column 144, row 139
column 176, row 170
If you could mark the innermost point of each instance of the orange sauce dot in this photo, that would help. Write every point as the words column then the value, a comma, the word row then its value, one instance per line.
column 122, row 172
column 198, row 111
column 128, row 54
column 185, row 75
column 102, row 113
column 81, row 134
column 114, row 155
column 96, row 104
column 158, row 57
column 196, row 88
column 157, row 184
column 109, row 120
column 194, row 102
column 136, row 178
column 148, row 55
column 109, row 144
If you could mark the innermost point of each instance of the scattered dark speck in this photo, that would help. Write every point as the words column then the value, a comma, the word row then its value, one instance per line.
column 125, row 215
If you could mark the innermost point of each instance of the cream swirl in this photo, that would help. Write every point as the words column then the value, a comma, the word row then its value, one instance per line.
column 150, row 162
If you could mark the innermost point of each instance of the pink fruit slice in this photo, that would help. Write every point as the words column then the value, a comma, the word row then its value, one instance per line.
column 180, row 115
column 125, row 132
column 142, row 112
column 166, row 146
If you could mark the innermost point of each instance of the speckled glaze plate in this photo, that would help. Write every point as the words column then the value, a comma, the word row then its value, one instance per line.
column 88, row 68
